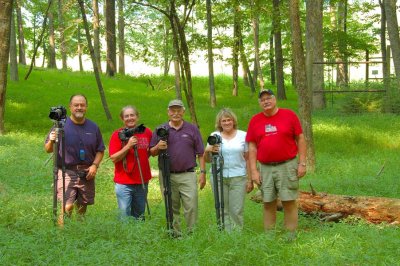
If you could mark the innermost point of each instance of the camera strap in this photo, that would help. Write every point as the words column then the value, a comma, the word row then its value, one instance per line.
column 124, row 162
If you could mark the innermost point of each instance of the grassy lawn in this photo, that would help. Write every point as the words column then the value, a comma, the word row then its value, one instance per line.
column 350, row 151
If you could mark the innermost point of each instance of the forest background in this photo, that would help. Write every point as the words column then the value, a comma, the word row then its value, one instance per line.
column 351, row 127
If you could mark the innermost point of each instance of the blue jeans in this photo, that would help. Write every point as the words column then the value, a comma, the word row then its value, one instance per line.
column 131, row 200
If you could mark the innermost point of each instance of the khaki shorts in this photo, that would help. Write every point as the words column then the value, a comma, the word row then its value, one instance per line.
column 279, row 181
column 76, row 189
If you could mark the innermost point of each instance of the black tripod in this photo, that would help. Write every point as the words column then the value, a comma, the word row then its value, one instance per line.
column 141, row 178
column 218, row 188
column 59, row 129
column 166, row 175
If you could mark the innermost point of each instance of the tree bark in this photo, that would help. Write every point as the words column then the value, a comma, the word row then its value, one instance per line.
column 96, row 33
column 166, row 53
column 52, row 43
column 271, row 59
column 5, row 26
column 245, row 63
column 332, row 207
column 305, row 93
column 256, row 39
column 235, row 50
column 213, row 99
column 92, row 56
column 21, row 38
column 280, row 79
column 110, row 38
column 121, row 37
column 61, row 29
column 79, row 48
column 314, row 52
column 341, row 68
column 393, row 30
column 178, row 28
column 13, row 50
column 385, row 67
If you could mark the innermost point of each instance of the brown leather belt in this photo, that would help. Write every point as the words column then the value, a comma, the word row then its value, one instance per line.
column 185, row 171
column 77, row 167
column 278, row 163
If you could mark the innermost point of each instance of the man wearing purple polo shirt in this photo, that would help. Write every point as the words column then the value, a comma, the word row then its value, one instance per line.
column 183, row 145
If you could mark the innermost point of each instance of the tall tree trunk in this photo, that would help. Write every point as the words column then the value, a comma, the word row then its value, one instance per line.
column 245, row 63
column 21, row 38
column 272, row 59
column 305, row 94
column 13, row 50
column 181, row 47
column 63, row 47
column 235, row 50
column 256, row 36
column 213, row 99
column 167, row 61
column 96, row 33
column 177, row 62
column 92, row 56
column 121, row 37
column 393, row 30
column 314, row 52
column 110, row 38
column 177, row 72
column 280, row 79
column 183, row 52
column 80, row 49
column 33, row 63
column 5, row 26
column 52, row 44
column 341, row 77
column 385, row 68
column 44, row 54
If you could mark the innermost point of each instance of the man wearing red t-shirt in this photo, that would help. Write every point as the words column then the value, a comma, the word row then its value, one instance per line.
column 275, row 139
column 131, row 179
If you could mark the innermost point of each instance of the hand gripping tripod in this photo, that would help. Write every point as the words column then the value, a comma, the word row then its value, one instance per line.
column 218, row 188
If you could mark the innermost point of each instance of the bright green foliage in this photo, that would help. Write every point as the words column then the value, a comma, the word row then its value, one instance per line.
column 350, row 151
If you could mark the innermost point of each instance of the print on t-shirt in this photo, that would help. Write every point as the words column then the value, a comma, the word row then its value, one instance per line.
column 270, row 129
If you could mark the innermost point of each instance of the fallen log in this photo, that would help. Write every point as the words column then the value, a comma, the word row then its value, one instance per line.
column 334, row 207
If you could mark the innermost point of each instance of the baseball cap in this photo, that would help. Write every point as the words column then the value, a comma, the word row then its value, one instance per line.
column 176, row 102
column 268, row 91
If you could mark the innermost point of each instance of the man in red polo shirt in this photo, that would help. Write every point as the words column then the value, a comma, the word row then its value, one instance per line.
column 275, row 139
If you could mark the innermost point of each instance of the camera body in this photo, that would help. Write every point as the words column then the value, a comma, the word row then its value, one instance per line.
column 163, row 133
column 58, row 113
column 214, row 139
column 126, row 133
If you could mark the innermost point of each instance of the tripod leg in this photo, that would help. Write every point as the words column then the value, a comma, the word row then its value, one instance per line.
column 216, row 193
column 141, row 178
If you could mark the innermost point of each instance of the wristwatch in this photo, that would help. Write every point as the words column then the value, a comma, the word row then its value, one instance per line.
column 203, row 171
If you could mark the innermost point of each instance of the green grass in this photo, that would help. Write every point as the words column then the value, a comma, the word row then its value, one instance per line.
column 350, row 151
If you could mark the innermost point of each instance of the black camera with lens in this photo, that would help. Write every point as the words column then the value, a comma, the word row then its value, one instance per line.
column 163, row 133
column 128, row 132
column 58, row 113
column 214, row 139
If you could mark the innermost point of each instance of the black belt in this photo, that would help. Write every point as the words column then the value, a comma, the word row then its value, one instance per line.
column 77, row 167
column 278, row 163
column 184, row 171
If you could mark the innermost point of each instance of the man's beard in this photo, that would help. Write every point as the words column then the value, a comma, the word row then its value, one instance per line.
column 79, row 114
